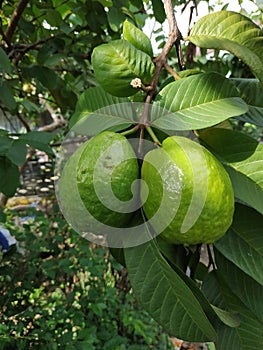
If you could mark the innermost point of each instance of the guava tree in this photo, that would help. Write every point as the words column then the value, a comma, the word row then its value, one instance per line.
column 217, row 299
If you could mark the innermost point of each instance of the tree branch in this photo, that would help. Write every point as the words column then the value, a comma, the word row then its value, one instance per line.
column 59, row 120
column 160, row 61
column 14, row 20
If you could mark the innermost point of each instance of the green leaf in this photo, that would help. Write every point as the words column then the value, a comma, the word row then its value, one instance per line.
column 197, row 102
column 243, row 157
column 172, row 254
column 53, row 17
column 158, row 10
column 226, row 30
column 5, row 143
column 245, row 287
column 5, row 65
column 251, row 91
column 115, row 18
column 17, row 152
column 227, row 317
column 7, row 98
column 114, row 117
column 46, row 76
column 137, row 38
column 91, row 100
column 117, row 63
column 38, row 140
column 249, row 334
column 9, row 177
column 243, row 243
column 165, row 296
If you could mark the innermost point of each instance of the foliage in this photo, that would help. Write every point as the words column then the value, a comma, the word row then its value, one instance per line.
column 65, row 294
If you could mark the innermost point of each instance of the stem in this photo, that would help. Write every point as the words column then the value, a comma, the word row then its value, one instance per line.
column 153, row 136
column 14, row 20
column 210, row 256
column 130, row 131
column 171, row 71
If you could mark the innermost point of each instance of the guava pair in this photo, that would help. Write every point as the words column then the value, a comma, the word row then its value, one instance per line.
column 184, row 191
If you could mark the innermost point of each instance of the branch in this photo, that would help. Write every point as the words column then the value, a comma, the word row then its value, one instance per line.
column 160, row 61
column 59, row 120
column 14, row 20
column 23, row 49
column 24, row 122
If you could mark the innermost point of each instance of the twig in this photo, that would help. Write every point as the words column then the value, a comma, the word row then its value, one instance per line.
column 23, row 121
column 14, row 20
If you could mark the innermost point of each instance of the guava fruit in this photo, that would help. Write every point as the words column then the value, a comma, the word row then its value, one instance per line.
column 98, row 183
column 193, row 190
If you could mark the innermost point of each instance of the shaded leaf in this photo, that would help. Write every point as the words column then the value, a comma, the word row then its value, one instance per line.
column 7, row 98
column 172, row 254
column 115, row 18
column 197, row 102
column 117, row 63
column 243, row 157
column 9, row 177
column 165, row 295
column 228, row 318
column 249, row 334
column 245, row 287
column 17, row 152
column 38, row 140
column 226, row 30
column 251, row 91
column 5, row 65
column 137, row 38
column 158, row 10
column 243, row 243
column 46, row 76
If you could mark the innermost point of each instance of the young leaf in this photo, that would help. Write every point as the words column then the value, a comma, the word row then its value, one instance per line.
column 197, row 102
column 243, row 157
column 165, row 295
column 243, row 243
column 117, row 63
column 245, row 287
column 91, row 100
column 226, row 30
column 249, row 334
column 137, row 38
column 251, row 91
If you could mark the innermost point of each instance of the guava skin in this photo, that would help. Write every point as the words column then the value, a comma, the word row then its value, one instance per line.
column 195, row 189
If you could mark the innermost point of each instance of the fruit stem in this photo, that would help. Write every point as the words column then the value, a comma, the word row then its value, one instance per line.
column 210, row 256
column 153, row 136
column 130, row 131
